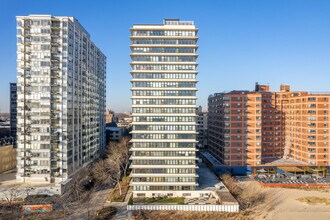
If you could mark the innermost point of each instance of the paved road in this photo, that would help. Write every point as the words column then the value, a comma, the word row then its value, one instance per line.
column 98, row 200
column 89, row 208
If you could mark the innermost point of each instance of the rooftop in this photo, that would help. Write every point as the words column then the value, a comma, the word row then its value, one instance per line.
column 170, row 22
column 210, row 158
column 113, row 128
column 284, row 162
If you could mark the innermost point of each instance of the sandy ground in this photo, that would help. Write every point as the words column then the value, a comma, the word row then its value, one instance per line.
column 282, row 204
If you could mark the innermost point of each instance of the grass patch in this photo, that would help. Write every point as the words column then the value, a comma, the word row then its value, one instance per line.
column 115, row 196
column 184, row 215
column 313, row 200
column 106, row 213
column 162, row 200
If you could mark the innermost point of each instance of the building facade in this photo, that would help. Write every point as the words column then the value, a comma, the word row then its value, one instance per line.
column 7, row 154
column 114, row 133
column 307, row 130
column 164, row 108
column 13, row 109
column 61, row 98
column 202, row 127
column 249, row 128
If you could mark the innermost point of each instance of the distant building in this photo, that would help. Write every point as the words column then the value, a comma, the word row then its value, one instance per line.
column 248, row 128
column 110, row 116
column 61, row 98
column 201, row 127
column 125, row 122
column 8, row 153
column 13, row 109
column 114, row 133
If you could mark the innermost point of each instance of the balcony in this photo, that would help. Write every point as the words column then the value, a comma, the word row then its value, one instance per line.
column 25, row 59
column 55, row 166
column 55, row 27
column 26, row 142
column 25, row 84
column 54, row 116
column 55, row 76
column 55, row 43
column 26, row 26
column 55, row 59
column 25, row 132
column 55, row 67
column 55, row 84
column 55, row 92
column 55, row 51
column 25, row 107
column 55, row 149
column 26, row 33
column 25, row 51
column 26, row 158
column 55, row 158
column 54, row 141
column 25, row 67
column 27, row 43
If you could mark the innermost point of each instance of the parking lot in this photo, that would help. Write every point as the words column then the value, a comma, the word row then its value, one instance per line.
column 296, row 176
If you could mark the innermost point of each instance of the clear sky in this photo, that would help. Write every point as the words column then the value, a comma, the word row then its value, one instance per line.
column 241, row 42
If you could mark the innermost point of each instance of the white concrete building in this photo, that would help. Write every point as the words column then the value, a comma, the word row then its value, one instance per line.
column 164, row 108
column 61, row 98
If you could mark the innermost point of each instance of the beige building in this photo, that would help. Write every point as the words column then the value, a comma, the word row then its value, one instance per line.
column 7, row 158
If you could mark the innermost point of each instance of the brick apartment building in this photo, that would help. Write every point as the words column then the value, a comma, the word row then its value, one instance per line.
column 249, row 128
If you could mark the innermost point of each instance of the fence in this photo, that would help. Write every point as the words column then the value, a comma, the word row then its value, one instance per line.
column 294, row 185
column 209, row 208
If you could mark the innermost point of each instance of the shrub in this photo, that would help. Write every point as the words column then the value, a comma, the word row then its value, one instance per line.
column 130, row 201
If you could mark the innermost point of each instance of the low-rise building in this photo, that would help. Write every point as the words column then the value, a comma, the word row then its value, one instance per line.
column 7, row 155
column 114, row 133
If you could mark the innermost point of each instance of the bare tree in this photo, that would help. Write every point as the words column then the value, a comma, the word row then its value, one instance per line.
column 119, row 151
column 12, row 194
column 110, row 170
column 287, row 147
column 125, row 153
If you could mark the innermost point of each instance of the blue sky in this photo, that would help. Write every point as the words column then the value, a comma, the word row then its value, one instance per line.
column 241, row 42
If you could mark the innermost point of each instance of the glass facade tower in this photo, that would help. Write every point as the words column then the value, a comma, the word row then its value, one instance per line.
column 164, row 108
column 60, row 98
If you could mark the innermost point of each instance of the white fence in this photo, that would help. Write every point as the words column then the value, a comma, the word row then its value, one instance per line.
column 201, row 208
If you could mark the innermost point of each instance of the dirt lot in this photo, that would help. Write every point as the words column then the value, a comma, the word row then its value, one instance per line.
column 287, row 204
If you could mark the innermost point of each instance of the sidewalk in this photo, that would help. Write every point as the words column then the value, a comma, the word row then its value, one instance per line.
column 122, row 213
column 90, row 208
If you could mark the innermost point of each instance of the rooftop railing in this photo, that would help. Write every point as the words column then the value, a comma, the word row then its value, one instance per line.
column 177, row 22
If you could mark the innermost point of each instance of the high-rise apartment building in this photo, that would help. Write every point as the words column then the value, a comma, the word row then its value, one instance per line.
column 61, row 98
column 234, row 128
column 248, row 128
column 13, row 109
column 306, row 125
column 164, row 108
